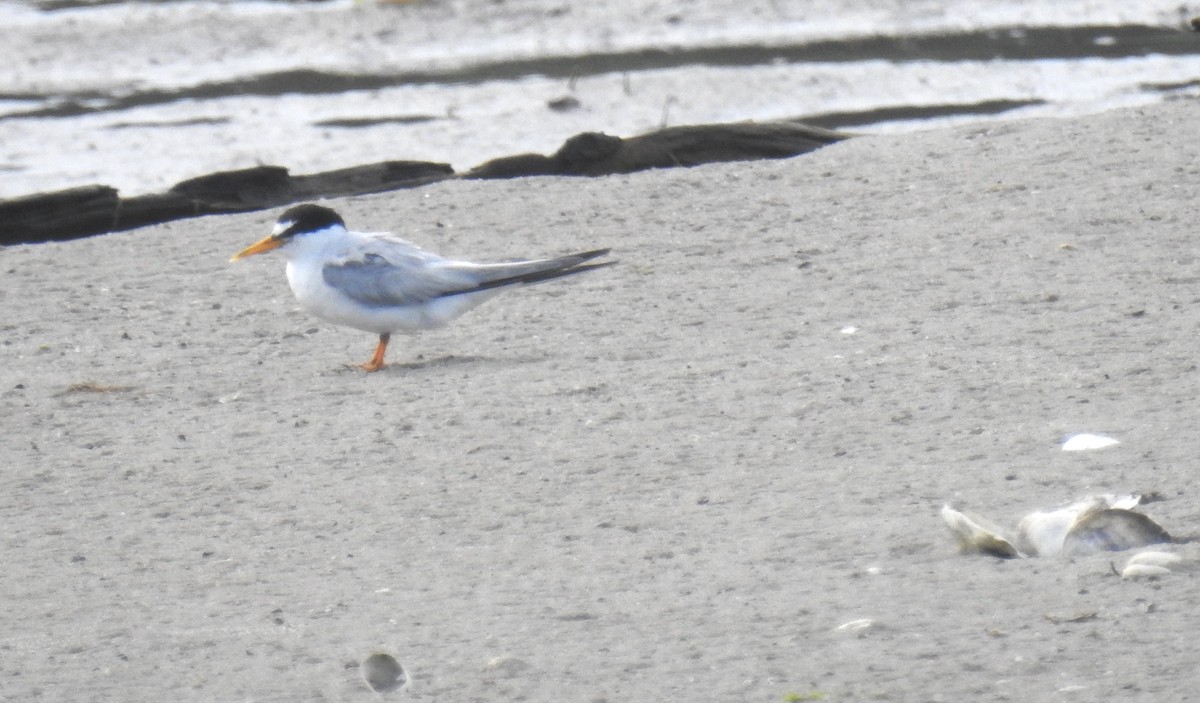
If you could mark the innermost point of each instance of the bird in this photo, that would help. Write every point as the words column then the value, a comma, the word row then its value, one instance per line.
column 380, row 283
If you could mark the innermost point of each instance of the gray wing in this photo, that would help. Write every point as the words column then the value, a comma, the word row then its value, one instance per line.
column 412, row 276
column 395, row 279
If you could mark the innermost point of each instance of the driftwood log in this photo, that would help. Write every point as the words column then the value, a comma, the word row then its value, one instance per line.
column 599, row 154
column 89, row 210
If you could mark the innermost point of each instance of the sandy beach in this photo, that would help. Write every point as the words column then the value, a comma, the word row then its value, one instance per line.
column 677, row 477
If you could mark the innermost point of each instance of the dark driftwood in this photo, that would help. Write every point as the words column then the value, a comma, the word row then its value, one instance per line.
column 596, row 154
column 61, row 215
column 373, row 178
column 80, row 212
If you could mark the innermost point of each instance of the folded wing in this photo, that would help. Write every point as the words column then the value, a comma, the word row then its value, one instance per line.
column 380, row 280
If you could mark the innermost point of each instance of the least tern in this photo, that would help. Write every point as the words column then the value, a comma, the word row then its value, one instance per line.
column 377, row 282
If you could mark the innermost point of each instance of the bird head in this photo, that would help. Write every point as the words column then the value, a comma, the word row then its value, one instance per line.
column 294, row 222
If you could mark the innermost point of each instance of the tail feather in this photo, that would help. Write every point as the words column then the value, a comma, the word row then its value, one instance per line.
column 535, row 271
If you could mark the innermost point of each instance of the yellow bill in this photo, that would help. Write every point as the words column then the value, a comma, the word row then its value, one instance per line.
column 265, row 244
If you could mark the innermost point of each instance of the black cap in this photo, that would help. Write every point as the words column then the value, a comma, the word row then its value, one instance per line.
column 306, row 218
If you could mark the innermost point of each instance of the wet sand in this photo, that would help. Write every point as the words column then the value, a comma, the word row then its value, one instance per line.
column 672, row 478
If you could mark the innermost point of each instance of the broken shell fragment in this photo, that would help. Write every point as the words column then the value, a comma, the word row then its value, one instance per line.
column 1112, row 530
column 383, row 673
column 1154, row 557
column 1152, row 564
column 976, row 536
column 859, row 628
column 1144, row 571
column 1085, row 441
column 1046, row 533
column 1103, row 523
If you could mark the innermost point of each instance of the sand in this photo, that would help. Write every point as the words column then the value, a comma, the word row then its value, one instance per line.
column 673, row 479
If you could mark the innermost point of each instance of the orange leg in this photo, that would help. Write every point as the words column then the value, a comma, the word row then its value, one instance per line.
column 376, row 362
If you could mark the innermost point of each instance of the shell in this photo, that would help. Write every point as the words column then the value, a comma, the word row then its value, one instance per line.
column 1112, row 530
column 383, row 673
column 1144, row 571
column 1086, row 441
column 1101, row 523
column 1153, row 557
column 977, row 536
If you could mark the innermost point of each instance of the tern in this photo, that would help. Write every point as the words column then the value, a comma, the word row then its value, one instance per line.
column 377, row 282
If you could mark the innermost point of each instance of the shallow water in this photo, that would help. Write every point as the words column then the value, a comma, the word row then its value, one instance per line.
column 141, row 96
